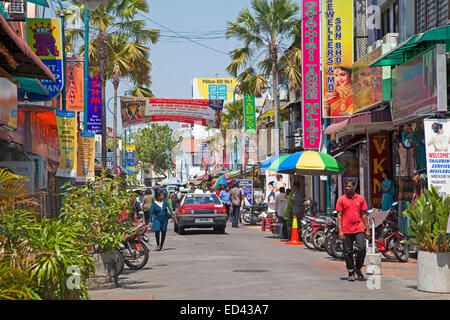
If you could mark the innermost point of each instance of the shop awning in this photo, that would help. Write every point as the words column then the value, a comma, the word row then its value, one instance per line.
column 270, row 113
column 17, row 58
column 413, row 46
column 365, row 122
column 39, row 2
column 31, row 86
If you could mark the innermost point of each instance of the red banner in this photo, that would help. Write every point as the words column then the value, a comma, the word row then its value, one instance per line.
column 380, row 160
column 74, row 84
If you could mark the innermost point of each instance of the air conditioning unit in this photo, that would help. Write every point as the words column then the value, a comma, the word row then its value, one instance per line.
column 17, row 10
column 391, row 38
column 41, row 171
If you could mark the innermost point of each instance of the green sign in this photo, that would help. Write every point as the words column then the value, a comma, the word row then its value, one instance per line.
column 249, row 113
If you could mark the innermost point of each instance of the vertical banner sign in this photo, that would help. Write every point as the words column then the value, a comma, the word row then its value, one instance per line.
column 130, row 157
column 94, row 122
column 249, row 113
column 380, row 160
column 44, row 36
column 312, row 120
column 247, row 189
column 74, row 84
column 66, row 122
column 337, row 58
column 437, row 144
column 86, row 156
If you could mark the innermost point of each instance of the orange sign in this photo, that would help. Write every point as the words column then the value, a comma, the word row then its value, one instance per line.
column 74, row 84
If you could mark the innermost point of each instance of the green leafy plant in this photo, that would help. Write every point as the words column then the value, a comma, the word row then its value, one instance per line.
column 288, row 213
column 428, row 217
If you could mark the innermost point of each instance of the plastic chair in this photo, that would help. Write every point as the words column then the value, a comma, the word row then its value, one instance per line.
column 263, row 224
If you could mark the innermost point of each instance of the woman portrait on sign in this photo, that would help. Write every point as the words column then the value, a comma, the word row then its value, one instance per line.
column 439, row 141
column 340, row 101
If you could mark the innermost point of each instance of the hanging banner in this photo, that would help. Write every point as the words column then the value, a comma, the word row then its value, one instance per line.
column 215, row 89
column 66, row 122
column 337, row 58
column 249, row 113
column 247, row 189
column 437, row 144
column 311, row 105
column 380, row 160
column 94, row 122
column 195, row 111
column 86, row 157
column 44, row 36
column 130, row 157
column 74, row 84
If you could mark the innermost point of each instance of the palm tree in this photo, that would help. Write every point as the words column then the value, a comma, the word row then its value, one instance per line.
column 118, row 49
column 264, row 35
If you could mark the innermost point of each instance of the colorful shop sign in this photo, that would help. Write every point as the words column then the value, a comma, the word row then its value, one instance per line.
column 66, row 122
column 380, row 160
column 214, row 89
column 311, row 105
column 74, row 84
column 437, row 144
column 130, row 157
column 86, row 156
column 44, row 36
column 249, row 113
column 337, row 58
column 94, row 116
column 247, row 189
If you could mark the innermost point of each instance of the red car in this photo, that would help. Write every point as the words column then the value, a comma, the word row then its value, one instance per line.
column 200, row 211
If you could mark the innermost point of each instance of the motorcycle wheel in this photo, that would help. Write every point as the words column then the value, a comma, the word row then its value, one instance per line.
column 120, row 262
column 337, row 247
column 318, row 240
column 401, row 250
column 246, row 216
column 388, row 253
column 327, row 244
column 139, row 262
column 307, row 240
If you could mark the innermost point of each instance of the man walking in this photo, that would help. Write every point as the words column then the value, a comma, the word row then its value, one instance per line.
column 297, row 209
column 237, row 200
column 351, row 221
column 280, row 207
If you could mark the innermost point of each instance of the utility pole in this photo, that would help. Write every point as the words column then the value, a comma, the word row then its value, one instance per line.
column 168, row 168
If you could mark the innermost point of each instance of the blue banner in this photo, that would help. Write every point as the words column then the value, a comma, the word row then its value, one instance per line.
column 247, row 189
column 94, row 116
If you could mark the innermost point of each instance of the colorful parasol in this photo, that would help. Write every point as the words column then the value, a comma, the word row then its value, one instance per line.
column 220, row 180
column 310, row 163
column 266, row 164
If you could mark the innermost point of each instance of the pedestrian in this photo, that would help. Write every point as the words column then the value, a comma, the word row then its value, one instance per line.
column 297, row 209
column 135, row 208
column 225, row 198
column 210, row 189
column 147, row 202
column 160, row 212
column 236, row 200
column 219, row 189
column 280, row 206
column 351, row 221
column 388, row 189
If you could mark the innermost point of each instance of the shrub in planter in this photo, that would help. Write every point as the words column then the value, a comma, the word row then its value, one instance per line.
column 428, row 217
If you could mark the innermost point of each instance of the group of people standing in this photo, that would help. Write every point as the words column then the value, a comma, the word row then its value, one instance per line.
column 233, row 198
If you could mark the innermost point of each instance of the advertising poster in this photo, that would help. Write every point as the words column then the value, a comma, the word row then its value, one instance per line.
column 44, row 36
column 132, row 110
column 94, row 116
column 419, row 86
column 437, row 144
column 74, row 84
column 380, row 160
column 86, row 157
column 130, row 157
column 274, row 181
column 337, row 58
column 66, row 122
column 214, row 89
column 247, row 189
column 249, row 113
column 311, row 104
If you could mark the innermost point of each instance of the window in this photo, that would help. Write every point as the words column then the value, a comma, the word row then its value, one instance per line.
column 431, row 14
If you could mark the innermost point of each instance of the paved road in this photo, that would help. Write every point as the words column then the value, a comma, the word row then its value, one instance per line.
column 246, row 263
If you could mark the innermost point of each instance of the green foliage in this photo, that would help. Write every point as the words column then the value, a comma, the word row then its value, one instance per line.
column 94, row 209
column 151, row 147
column 288, row 213
column 428, row 217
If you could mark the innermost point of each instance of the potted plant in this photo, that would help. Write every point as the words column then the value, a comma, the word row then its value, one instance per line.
column 288, row 213
column 100, row 209
column 428, row 217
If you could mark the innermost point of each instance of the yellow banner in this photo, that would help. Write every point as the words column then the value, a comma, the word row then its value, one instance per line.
column 86, row 157
column 66, row 122
column 215, row 89
column 337, row 27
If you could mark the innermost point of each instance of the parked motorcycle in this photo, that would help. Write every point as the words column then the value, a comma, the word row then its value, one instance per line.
column 259, row 212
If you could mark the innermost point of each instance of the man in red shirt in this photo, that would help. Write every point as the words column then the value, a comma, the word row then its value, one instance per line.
column 352, row 220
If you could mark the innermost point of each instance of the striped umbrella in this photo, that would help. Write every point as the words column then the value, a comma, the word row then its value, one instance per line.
column 272, row 160
column 310, row 163
column 220, row 180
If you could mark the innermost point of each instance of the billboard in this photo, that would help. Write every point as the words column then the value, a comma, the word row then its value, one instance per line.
column 419, row 86
column 44, row 36
column 214, row 89
column 86, row 157
column 337, row 58
column 437, row 144
column 311, row 104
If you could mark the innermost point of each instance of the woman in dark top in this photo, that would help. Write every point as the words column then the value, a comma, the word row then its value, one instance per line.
column 160, row 212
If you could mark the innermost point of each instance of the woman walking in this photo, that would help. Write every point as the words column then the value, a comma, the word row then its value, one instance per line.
column 160, row 212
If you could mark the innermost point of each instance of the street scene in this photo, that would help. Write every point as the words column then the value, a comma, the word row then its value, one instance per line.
column 271, row 150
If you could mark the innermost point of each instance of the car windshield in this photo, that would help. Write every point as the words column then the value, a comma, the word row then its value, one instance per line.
column 201, row 199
